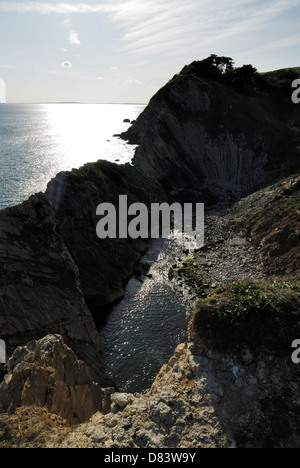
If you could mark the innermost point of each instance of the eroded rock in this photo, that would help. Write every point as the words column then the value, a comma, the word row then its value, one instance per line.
column 48, row 374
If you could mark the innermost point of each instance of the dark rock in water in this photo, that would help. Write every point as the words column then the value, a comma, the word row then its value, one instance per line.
column 39, row 285
column 126, row 120
column 48, row 374
column 104, row 265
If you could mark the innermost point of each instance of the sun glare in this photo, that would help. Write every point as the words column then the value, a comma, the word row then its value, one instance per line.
column 81, row 133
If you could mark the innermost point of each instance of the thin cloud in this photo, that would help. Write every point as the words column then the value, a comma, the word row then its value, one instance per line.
column 133, row 82
column 60, row 8
column 186, row 26
column 6, row 66
column 168, row 26
column 73, row 37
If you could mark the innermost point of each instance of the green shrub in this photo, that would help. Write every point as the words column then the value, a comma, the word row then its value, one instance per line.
column 193, row 280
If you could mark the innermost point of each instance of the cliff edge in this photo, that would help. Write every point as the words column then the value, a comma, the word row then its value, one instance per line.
column 220, row 131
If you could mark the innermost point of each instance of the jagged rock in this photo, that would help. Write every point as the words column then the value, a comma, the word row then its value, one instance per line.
column 160, row 412
column 208, row 401
column 122, row 399
column 39, row 285
column 172, row 414
column 104, row 265
column 47, row 373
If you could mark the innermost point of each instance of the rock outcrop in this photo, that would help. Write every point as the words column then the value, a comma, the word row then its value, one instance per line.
column 46, row 373
column 39, row 286
column 203, row 400
column 200, row 134
column 52, row 263
column 172, row 414
column 104, row 265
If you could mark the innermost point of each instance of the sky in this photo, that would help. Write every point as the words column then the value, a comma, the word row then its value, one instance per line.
column 125, row 50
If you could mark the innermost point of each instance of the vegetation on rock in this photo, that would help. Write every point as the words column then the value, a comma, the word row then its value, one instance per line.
column 260, row 315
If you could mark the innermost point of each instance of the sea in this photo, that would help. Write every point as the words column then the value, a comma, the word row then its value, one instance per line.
column 37, row 141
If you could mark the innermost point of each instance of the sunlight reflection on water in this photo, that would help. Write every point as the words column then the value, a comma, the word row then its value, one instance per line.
column 141, row 332
column 38, row 141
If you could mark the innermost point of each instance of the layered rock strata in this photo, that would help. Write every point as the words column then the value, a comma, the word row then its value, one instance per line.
column 200, row 135
column 39, row 285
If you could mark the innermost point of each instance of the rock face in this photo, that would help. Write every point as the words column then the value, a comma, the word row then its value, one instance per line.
column 172, row 414
column 201, row 135
column 39, row 285
column 274, row 231
column 255, row 399
column 47, row 373
column 203, row 400
column 52, row 265
column 104, row 265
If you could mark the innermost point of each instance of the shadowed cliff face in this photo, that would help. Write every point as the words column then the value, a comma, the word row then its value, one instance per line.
column 104, row 265
column 52, row 263
column 203, row 135
column 39, row 285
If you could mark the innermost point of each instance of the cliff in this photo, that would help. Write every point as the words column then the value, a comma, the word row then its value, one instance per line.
column 215, row 134
column 52, row 263
column 104, row 265
column 39, row 285
column 205, row 132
